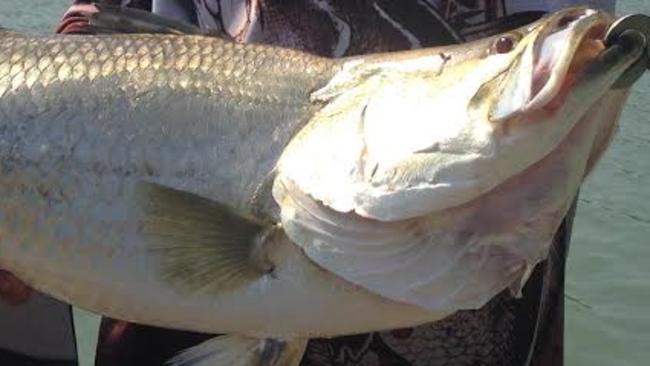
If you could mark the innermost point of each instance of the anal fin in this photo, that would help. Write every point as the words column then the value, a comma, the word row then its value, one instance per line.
column 242, row 351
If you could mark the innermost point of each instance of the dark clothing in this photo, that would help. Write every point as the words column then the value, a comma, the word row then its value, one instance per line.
column 126, row 344
column 38, row 331
column 139, row 4
column 9, row 358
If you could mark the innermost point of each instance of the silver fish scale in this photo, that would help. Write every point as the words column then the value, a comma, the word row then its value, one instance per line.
column 202, row 83
column 83, row 118
column 233, row 70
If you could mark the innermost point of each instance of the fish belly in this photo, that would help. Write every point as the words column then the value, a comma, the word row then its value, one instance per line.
column 88, row 252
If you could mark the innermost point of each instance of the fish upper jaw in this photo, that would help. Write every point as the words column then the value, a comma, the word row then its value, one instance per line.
column 549, row 65
column 557, row 63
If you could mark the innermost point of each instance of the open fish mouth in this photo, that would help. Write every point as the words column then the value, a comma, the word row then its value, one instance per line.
column 548, row 66
column 562, row 52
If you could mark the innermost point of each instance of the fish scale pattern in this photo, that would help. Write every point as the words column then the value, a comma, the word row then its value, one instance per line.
column 83, row 118
column 205, row 63
column 48, row 84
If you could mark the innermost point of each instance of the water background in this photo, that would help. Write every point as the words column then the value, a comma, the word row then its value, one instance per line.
column 608, row 320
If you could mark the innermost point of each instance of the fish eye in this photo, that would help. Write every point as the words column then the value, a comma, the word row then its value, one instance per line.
column 505, row 43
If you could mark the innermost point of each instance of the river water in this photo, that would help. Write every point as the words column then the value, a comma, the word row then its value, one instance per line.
column 608, row 281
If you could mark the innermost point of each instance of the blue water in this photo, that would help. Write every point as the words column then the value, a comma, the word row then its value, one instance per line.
column 609, row 271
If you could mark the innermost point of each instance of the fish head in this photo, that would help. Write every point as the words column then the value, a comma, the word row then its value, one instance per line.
column 542, row 69
column 406, row 134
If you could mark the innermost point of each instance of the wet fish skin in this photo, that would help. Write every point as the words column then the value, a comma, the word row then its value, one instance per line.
column 80, row 189
column 218, row 97
column 84, row 119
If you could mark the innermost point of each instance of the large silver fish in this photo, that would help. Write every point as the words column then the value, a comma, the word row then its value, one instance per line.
column 194, row 183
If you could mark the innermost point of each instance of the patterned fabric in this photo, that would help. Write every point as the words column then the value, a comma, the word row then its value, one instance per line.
column 477, row 18
column 393, row 23
column 408, row 21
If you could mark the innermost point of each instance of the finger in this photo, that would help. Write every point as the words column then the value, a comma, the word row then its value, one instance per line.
column 75, row 20
column 12, row 290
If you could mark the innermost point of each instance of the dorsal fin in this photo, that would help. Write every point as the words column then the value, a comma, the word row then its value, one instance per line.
column 114, row 19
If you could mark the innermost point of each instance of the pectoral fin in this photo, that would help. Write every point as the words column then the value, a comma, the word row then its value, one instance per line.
column 203, row 246
column 115, row 19
column 242, row 351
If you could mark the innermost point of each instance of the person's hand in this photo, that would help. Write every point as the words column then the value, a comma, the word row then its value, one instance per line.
column 75, row 20
column 12, row 290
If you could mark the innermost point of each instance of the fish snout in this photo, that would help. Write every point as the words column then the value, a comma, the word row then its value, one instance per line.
column 573, row 39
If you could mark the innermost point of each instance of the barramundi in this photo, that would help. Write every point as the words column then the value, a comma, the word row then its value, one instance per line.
column 190, row 182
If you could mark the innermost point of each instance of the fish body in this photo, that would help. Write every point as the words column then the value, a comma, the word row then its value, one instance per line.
column 193, row 183
column 86, row 118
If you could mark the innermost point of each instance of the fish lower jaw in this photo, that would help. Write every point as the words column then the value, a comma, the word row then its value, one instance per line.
column 552, row 80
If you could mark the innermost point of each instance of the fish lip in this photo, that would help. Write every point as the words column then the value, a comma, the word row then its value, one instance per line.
column 590, row 25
